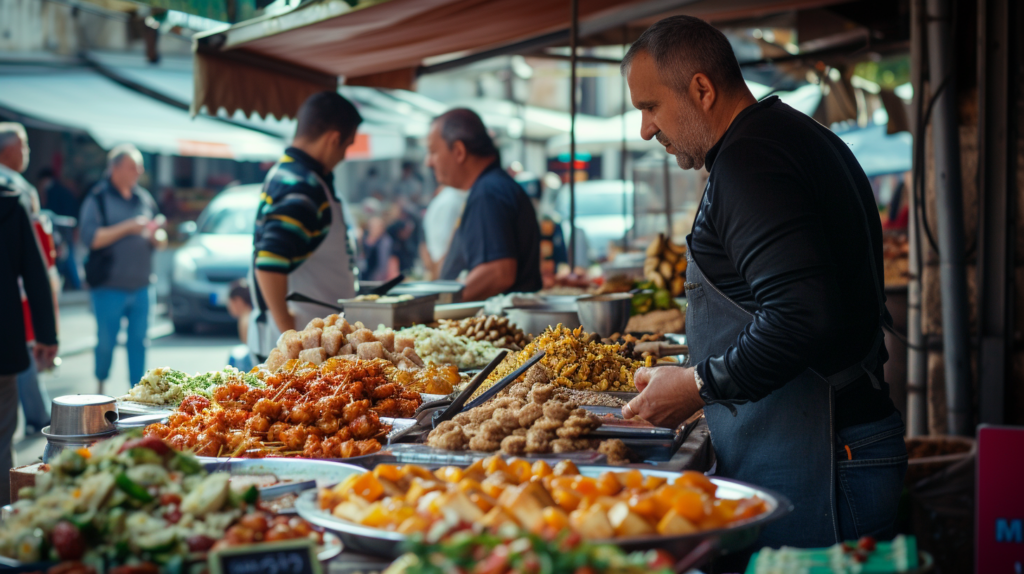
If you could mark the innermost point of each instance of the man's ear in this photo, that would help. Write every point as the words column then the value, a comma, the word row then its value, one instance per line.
column 459, row 151
column 703, row 91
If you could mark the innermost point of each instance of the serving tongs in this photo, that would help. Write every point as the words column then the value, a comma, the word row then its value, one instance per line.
column 496, row 387
column 425, row 413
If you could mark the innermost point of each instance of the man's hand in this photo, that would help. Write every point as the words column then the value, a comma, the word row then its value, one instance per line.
column 111, row 234
column 668, row 396
column 44, row 356
column 490, row 279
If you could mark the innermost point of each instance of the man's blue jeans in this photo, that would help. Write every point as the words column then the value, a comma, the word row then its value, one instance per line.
column 109, row 305
column 870, row 478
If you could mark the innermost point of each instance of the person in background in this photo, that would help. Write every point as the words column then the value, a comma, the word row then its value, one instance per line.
column 14, row 156
column 121, row 218
column 56, row 197
column 439, row 225
column 372, row 185
column 301, row 244
column 22, row 269
column 406, row 233
column 498, row 241
column 410, row 186
column 381, row 262
column 240, row 307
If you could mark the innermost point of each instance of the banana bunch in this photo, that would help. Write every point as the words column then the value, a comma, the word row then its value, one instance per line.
column 665, row 265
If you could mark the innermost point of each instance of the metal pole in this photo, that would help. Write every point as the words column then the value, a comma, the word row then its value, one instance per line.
column 668, row 197
column 573, row 32
column 950, row 206
column 998, row 209
column 917, row 356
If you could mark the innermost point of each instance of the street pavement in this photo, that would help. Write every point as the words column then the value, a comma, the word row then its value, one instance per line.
column 190, row 353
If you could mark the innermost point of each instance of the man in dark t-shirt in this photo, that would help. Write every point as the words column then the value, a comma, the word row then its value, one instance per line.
column 497, row 240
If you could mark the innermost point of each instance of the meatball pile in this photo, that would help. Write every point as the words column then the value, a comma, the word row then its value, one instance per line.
column 529, row 419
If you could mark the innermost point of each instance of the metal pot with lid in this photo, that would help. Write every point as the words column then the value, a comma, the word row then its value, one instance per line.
column 78, row 421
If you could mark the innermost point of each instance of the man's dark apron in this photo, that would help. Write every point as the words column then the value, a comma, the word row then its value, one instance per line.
column 785, row 441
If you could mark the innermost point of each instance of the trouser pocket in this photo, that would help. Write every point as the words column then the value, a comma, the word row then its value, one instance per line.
column 872, row 461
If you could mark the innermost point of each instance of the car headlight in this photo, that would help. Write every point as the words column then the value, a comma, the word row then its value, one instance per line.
column 185, row 263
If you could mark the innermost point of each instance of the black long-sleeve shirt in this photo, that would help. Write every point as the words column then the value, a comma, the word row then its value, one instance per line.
column 781, row 233
column 20, row 257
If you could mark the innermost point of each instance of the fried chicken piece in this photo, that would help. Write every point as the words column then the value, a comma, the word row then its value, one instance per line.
column 294, row 438
column 514, row 445
column 579, row 412
column 328, row 423
column 484, row 443
column 575, row 427
column 257, row 424
column 520, row 432
column 312, row 449
column 546, row 424
column 539, row 441
column 158, row 430
column 529, row 414
column 194, row 404
column 448, row 437
column 386, row 408
column 302, row 414
column 384, row 391
column 585, row 443
column 368, row 446
column 561, row 445
column 407, row 408
column 268, row 408
column 365, row 426
column 556, row 411
column 507, row 418
column 540, row 394
column 354, row 410
column 615, row 450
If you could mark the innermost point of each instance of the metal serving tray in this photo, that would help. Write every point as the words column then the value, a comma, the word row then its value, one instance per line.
column 391, row 315
column 366, row 540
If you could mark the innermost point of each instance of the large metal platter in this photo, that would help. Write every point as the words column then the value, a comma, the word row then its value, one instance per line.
column 363, row 539
column 132, row 408
column 325, row 473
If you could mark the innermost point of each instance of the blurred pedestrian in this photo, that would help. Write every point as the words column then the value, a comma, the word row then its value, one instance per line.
column 410, row 186
column 406, row 233
column 372, row 186
column 381, row 262
column 439, row 225
column 498, row 240
column 20, row 266
column 60, row 200
column 301, row 241
column 14, row 156
column 240, row 307
column 121, row 225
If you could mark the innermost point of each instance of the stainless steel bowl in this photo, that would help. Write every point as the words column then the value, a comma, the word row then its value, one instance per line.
column 55, row 444
column 534, row 320
column 605, row 314
column 77, row 415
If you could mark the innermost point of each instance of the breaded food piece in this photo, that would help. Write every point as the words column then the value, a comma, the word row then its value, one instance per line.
column 507, row 418
column 516, row 405
column 311, row 336
column 547, row 424
column 347, row 328
column 346, row 350
column 615, row 450
column 402, row 343
column 575, row 427
column 411, row 355
column 539, row 374
column 561, row 445
column 579, row 412
column 332, row 339
column 585, row 443
column 448, row 437
column 520, row 432
column 331, row 320
column 539, row 441
column 493, row 430
column 471, row 429
column 529, row 414
column 290, row 343
column 275, row 360
column 317, row 323
column 541, row 394
column 386, row 337
column 462, row 419
column 555, row 410
column 482, row 413
column 514, row 445
column 315, row 356
column 483, row 443
column 501, row 402
column 369, row 351
column 362, row 336
column 519, row 391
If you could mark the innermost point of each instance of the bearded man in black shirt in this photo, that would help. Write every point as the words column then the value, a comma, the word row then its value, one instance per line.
column 786, row 307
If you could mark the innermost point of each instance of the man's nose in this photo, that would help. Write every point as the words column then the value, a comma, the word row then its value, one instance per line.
column 648, row 128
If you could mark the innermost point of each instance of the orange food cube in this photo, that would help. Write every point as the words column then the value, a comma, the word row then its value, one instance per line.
column 666, row 495
column 673, row 524
column 750, row 507
column 561, row 482
column 376, row 516
column 646, row 505
column 493, row 464
column 414, row 523
column 520, row 470
column 555, row 517
column 476, row 470
column 541, row 469
column 722, row 513
column 493, row 490
column 482, row 501
column 694, row 479
column 567, row 499
column 412, row 470
column 585, row 485
column 608, row 484
column 367, row 486
column 419, row 488
column 654, row 482
column 692, row 504
column 387, row 471
column 566, row 468
column 449, row 473
column 630, row 479
column 468, row 485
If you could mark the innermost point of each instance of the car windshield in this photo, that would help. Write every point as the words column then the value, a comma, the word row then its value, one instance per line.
column 234, row 215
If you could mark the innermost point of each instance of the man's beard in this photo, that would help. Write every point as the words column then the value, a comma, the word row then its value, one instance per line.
column 690, row 153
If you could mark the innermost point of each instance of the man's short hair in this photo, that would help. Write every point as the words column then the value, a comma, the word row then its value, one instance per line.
column 463, row 125
column 683, row 46
column 327, row 111
column 121, row 151
column 12, row 133
column 239, row 289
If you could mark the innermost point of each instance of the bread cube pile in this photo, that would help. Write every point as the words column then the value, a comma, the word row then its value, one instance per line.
column 333, row 336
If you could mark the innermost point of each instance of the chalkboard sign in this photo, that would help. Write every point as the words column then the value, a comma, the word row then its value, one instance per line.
column 287, row 557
